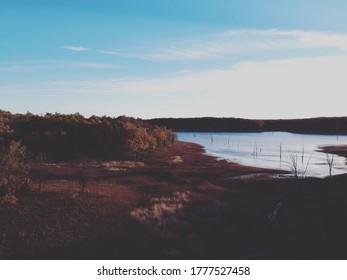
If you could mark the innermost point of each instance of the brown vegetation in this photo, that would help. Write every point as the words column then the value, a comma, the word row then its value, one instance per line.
column 153, row 198
column 161, row 207
column 61, row 137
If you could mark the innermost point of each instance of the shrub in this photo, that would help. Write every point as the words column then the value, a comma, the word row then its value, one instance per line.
column 13, row 168
column 163, row 214
column 8, row 200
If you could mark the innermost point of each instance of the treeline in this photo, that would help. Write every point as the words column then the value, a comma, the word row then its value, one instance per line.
column 59, row 136
column 336, row 125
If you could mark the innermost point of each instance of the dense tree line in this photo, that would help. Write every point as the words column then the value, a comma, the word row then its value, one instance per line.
column 336, row 125
column 28, row 138
column 60, row 136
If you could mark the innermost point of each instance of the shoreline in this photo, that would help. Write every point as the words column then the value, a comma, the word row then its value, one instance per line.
column 340, row 150
column 176, row 203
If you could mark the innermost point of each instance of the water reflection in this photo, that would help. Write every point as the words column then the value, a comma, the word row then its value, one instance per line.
column 279, row 150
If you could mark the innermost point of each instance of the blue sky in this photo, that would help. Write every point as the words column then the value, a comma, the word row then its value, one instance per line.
column 182, row 58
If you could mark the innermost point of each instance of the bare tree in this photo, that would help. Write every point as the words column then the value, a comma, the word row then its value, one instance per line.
column 293, row 164
column 330, row 162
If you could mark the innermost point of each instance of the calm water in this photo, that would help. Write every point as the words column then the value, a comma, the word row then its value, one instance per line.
column 272, row 150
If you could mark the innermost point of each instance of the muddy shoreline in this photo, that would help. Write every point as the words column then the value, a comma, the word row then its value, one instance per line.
column 176, row 203
column 337, row 150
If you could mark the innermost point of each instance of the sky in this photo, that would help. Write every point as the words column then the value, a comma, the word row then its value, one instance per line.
column 259, row 59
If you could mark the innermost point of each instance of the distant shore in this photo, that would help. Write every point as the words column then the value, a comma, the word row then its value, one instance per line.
column 333, row 125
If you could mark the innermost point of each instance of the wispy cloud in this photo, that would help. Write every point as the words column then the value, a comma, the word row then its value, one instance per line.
column 299, row 37
column 249, row 73
column 196, row 52
column 125, row 85
column 309, row 86
column 174, row 53
column 75, row 49
column 123, row 54
column 40, row 65
column 241, row 41
column 97, row 65
column 16, row 69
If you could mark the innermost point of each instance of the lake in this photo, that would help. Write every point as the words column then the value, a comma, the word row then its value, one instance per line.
column 276, row 150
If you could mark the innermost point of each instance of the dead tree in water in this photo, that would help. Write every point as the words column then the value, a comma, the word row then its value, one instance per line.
column 293, row 164
column 330, row 161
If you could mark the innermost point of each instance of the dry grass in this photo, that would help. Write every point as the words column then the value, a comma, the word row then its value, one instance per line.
column 121, row 165
column 192, row 210
column 176, row 160
column 163, row 214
